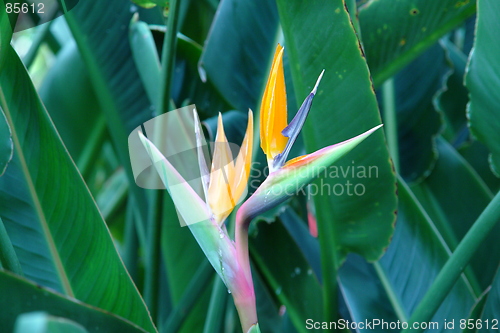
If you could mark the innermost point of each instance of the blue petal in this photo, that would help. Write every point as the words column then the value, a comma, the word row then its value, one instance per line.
column 293, row 129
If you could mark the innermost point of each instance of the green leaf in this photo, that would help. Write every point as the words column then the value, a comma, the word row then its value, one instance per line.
column 396, row 32
column 6, row 146
column 363, row 293
column 239, row 49
column 418, row 121
column 188, row 87
column 476, row 155
column 182, row 265
column 8, row 257
column 308, row 245
column 53, row 222
column 454, row 206
column 201, row 12
column 483, row 81
column 101, row 35
column 5, row 32
column 189, row 303
column 476, row 311
column 41, row 322
column 344, row 106
column 268, row 307
column 215, row 313
column 146, row 58
column 452, row 100
column 112, row 196
column 452, row 270
column 287, row 272
column 31, row 297
column 394, row 286
column 70, row 99
column 414, row 258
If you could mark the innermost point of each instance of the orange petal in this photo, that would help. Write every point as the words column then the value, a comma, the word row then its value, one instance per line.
column 243, row 161
column 220, row 197
column 273, row 117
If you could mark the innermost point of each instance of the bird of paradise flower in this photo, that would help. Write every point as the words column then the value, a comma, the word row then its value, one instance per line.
column 227, row 180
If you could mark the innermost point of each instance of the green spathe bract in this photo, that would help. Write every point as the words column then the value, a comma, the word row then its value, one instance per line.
column 288, row 180
column 213, row 240
column 217, row 249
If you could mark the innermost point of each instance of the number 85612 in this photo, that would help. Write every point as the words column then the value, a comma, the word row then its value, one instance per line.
column 18, row 8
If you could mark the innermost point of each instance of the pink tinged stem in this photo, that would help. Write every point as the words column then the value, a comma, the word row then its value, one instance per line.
column 244, row 298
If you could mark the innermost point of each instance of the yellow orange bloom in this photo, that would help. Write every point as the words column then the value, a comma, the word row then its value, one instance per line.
column 228, row 178
column 273, row 114
column 276, row 135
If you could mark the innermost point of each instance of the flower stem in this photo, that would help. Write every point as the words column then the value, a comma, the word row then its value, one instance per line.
column 244, row 296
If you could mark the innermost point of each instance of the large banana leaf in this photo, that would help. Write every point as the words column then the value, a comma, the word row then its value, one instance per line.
column 344, row 106
column 31, row 297
column 58, row 233
column 396, row 32
column 483, row 80
column 454, row 209
column 416, row 255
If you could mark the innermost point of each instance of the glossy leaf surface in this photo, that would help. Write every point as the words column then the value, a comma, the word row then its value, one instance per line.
column 344, row 105
column 396, row 32
column 53, row 207
column 483, row 81
column 31, row 297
